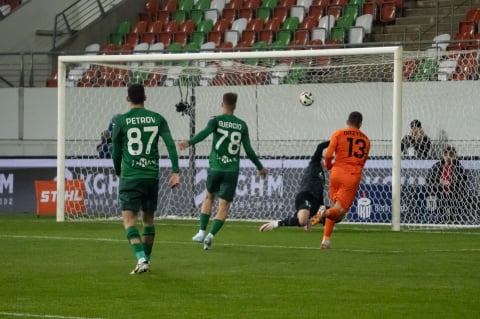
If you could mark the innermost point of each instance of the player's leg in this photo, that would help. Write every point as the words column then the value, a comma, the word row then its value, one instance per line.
column 345, row 191
column 130, row 203
column 225, row 198
column 149, row 205
column 212, row 185
column 300, row 218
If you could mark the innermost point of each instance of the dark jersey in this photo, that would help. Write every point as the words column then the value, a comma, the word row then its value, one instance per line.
column 229, row 134
column 313, row 178
column 135, row 144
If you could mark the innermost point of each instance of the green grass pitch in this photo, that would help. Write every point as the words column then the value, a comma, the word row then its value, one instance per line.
column 80, row 270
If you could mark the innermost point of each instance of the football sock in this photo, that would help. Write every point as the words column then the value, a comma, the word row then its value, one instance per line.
column 289, row 221
column 148, row 240
column 204, row 218
column 217, row 224
column 333, row 213
column 328, row 229
column 132, row 233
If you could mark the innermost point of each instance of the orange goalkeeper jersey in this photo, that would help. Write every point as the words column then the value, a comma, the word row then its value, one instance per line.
column 350, row 148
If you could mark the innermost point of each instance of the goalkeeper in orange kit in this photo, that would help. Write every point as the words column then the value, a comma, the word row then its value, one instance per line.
column 345, row 157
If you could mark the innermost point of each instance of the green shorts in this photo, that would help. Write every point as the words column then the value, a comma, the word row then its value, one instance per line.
column 222, row 184
column 138, row 194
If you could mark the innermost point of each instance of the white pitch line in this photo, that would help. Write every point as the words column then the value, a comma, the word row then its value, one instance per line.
column 315, row 248
column 32, row 315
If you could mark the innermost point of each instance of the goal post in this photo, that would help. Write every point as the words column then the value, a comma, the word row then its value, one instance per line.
column 284, row 134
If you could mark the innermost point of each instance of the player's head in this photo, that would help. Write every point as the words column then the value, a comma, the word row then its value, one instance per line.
column 136, row 94
column 229, row 101
column 415, row 124
column 355, row 119
column 449, row 154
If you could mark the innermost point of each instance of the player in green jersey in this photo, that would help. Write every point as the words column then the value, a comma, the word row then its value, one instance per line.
column 135, row 159
column 229, row 134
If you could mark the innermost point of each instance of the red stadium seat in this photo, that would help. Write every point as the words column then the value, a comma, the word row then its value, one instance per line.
column 388, row 12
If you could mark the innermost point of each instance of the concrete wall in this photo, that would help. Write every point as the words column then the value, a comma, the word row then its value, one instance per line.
column 29, row 116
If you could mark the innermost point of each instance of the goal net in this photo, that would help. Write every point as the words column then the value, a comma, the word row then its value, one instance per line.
column 186, row 89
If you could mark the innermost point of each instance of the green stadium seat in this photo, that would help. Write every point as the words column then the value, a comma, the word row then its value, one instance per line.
column 196, row 15
column 291, row 24
column 264, row 13
column 426, row 70
column 185, row 5
column 202, row 5
column 192, row 47
column 257, row 46
column 180, row 16
column 338, row 34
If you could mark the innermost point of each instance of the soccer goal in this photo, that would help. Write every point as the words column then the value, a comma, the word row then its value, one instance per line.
column 186, row 88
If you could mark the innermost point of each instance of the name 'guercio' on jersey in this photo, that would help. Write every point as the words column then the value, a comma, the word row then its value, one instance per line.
column 236, row 126
column 140, row 120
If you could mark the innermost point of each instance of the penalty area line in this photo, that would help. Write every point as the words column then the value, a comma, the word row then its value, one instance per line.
column 32, row 315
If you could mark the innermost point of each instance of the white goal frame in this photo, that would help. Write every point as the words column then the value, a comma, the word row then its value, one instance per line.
column 397, row 52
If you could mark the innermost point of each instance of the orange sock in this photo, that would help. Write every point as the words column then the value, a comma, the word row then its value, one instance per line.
column 333, row 213
column 328, row 228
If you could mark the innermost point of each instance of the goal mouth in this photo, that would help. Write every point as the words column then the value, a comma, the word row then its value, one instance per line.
column 186, row 88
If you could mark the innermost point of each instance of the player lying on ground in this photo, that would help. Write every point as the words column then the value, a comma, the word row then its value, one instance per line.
column 309, row 198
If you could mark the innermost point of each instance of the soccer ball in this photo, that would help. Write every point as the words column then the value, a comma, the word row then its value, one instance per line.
column 306, row 98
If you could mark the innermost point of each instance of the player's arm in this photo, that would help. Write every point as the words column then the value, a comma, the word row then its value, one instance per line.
column 317, row 156
column 200, row 136
column 247, row 146
column 116, row 147
column 330, row 151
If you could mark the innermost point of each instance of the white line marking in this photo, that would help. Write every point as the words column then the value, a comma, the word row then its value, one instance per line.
column 393, row 251
column 31, row 315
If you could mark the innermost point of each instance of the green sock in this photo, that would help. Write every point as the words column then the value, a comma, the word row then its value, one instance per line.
column 148, row 240
column 204, row 218
column 217, row 224
column 132, row 233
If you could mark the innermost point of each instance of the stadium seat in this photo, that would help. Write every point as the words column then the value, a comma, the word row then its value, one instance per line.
column 5, row 10
column 356, row 35
column 409, row 69
column 196, row 15
column 352, row 11
column 388, row 12
column 188, row 27
column 165, row 37
column 466, row 29
column 180, row 16
column 151, row 9
column 211, row 14
column 151, row 35
column 426, row 70
column 229, row 14
column 320, row 34
column 234, row 4
column 246, row 13
column 335, row 10
column 473, row 14
column 172, row 26
column 248, row 39
column 447, row 67
column 180, row 37
column 192, row 47
column 278, row 73
column 309, row 23
column 327, row 22
column 371, row 8
column 126, row 48
column 252, row 4
column 264, row 13
column 256, row 24
column 218, row 5
column 441, row 41
column 280, row 13
column 287, row 3
column 297, row 11
column 207, row 47
column 185, row 5
column 304, row 3
column 301, row 38
column 156, row 48
column 316, row 11
column 138, row 29
column 121, row 31
column 337, row 33
column 141, row 48
column 202, row 5
column 467, row 68
column 366, row 22
column 109, row 48
column 199, row 37
column 291, row 24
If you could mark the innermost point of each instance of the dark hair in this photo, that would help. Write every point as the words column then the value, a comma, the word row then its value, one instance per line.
column 136, row 93
column 415, row 124
column 450, row 149
column 355, row 119
column 230, row 99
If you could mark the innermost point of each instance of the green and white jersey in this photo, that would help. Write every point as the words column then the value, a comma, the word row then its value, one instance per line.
column 135, row 144
column 229, row 134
